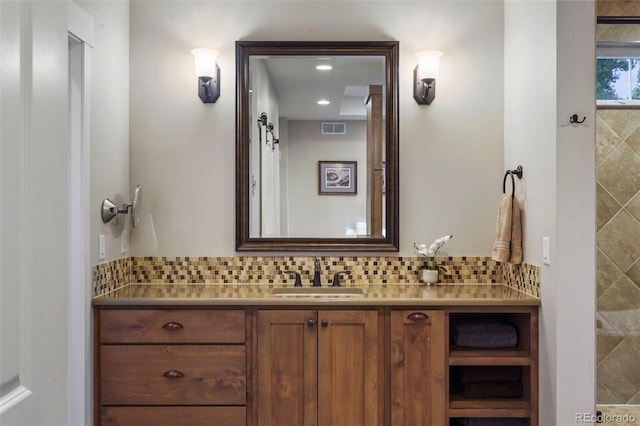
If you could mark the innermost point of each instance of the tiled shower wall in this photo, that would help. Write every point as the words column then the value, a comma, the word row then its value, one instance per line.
column 269, row 269
column 618, row 263
column 618, row 226
column 618, row 8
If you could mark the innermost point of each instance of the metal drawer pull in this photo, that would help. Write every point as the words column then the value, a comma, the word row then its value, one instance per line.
column 418, row 316
column 172, row 326
column 173, row 374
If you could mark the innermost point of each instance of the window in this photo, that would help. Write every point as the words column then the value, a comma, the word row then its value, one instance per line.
column 617, row 72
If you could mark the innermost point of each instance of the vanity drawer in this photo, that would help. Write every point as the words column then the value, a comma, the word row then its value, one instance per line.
column 172, row 326
column 173, row 416
column 173, row 375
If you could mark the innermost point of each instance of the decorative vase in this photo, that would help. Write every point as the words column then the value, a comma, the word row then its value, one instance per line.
column 430, row 276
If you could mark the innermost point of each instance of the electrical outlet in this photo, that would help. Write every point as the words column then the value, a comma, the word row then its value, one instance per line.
column 102, row 247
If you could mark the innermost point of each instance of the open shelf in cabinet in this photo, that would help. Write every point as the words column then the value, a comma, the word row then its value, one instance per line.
column 492, row 387
column 521, row 321
column 522, row 354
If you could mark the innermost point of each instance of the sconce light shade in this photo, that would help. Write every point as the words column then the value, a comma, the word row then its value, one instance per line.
column 208, row 73
column 424, row 76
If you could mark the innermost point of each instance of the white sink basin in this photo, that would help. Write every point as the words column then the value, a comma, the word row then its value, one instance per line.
column 317, row 291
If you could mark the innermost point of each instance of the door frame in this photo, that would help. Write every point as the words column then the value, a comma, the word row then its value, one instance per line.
column 79, row 330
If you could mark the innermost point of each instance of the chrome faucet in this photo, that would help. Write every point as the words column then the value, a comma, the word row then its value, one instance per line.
column 316, row 273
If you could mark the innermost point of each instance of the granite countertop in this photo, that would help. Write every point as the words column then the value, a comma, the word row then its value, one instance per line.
column 260, row 294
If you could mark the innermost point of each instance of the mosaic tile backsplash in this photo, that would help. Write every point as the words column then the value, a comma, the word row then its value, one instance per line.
column 523, row 277
column 111, row 275
column 271, row 270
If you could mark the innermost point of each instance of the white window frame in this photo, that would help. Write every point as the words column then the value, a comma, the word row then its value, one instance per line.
column 618, row 50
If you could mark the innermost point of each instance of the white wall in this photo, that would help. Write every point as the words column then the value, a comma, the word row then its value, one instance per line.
column 311, row 214
column 264, row 201
column 283, row 146
column 549, row 75
column 576, row 213
column 109, row 111
column 182, row 151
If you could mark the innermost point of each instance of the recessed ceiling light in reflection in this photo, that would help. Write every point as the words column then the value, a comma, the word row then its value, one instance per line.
column 324, row 67
column 323, row 102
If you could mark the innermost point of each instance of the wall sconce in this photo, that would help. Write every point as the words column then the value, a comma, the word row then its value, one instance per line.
column 424, row 76
column 208, row 73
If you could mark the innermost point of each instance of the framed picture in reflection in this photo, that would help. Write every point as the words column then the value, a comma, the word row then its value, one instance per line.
column 338, row 177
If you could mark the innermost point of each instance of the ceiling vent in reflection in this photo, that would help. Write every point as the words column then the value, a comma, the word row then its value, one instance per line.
column 334, row 128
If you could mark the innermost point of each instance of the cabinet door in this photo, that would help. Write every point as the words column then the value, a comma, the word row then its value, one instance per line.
column 417, row 368
column 349, row 363
column 287, row 368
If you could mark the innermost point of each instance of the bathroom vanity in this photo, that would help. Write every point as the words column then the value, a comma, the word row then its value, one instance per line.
column 240, row 355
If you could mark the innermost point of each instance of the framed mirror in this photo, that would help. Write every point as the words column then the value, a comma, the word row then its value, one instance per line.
column 317, row 146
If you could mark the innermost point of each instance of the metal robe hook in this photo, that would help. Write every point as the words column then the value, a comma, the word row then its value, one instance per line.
column 574, row 119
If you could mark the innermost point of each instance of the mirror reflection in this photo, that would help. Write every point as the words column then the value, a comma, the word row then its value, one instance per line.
column 309, row 144
column 315, row 140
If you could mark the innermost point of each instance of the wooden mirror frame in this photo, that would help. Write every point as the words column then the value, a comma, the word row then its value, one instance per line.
column 245, row 49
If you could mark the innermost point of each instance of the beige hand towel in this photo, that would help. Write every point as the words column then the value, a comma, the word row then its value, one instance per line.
column 502, row 245
column 508, row 244
column 516, row 233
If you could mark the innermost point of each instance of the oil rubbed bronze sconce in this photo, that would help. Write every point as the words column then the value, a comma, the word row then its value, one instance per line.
column 208, row 73
column 424, row 76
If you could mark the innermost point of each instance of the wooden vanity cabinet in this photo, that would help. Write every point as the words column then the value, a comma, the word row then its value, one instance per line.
column 417, row 367
column 320, row 368
column 299, row 366
column 171, row 367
